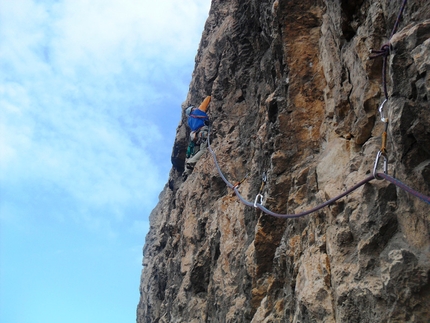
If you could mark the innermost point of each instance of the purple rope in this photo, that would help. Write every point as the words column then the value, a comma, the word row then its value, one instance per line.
column 385, row 50
column 320, row 206
column 404, row 187
column 216, row 163
column 396, row 24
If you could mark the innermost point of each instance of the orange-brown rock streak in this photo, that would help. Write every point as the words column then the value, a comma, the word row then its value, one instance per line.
column 295, row 97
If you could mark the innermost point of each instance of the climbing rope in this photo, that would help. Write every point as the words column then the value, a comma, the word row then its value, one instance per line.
column 404, row 187
column 258, row 203
column 384, row 52
column 385, row 49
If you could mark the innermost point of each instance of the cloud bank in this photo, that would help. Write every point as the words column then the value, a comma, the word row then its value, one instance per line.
column 88, row 98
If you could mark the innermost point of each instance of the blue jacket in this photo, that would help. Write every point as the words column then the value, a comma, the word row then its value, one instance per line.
column 197, row 119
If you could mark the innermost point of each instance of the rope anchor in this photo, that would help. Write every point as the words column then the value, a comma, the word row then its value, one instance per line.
column 328, row 202
column 375, row 166
column 381, row 111
column 259, row 196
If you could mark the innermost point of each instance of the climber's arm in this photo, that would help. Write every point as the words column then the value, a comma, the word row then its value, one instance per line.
column 204, row 106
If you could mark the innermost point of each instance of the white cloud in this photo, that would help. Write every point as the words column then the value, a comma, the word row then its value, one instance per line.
column 82, row 87
column 98, row 31
column 90, row 95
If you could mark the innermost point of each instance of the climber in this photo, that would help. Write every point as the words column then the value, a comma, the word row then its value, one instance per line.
column 198, row 121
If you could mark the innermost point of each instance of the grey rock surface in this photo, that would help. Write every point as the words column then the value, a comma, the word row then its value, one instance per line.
column 295, row 95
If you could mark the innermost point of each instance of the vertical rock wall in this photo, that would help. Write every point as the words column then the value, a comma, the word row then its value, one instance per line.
column 295, row 95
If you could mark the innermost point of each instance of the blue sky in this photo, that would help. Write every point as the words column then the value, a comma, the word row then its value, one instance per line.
column 90, row 96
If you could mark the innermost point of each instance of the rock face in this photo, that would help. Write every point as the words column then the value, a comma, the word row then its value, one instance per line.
column 294, row 95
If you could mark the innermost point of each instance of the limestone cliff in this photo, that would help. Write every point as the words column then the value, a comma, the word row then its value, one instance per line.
column 295, row 96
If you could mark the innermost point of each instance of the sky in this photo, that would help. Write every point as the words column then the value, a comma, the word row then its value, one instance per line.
column 90, row 98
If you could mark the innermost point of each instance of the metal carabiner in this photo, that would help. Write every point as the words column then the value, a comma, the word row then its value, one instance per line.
column 381, row 111
column 256, row 200
column 263, row 182
column 375, row 166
